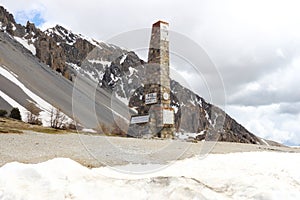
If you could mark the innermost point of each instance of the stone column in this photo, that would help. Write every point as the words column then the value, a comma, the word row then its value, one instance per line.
column 158, row 80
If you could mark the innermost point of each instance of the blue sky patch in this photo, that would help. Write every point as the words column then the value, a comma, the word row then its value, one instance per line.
column 33, row 16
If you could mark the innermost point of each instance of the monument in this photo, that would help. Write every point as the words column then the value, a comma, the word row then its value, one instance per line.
column 155, row 115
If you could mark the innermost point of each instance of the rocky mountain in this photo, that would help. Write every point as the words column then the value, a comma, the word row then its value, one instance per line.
column 31, row 65
column 192, row 113
column 57, row 47
column 118, row 74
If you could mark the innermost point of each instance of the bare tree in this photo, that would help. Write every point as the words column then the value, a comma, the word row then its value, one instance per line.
column 57, row 118
column 33, row 114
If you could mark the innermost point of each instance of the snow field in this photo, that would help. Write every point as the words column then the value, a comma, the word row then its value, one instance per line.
column 253, row 175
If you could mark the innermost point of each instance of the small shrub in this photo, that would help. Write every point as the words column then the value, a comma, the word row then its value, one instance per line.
column 35, row 121
column 3, row 113
column 72, row 126
column 57, row 118
column 117, row 130
column 103, row 129
column 15, row 114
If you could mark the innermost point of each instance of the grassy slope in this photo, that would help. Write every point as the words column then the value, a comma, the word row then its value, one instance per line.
column 8, row 125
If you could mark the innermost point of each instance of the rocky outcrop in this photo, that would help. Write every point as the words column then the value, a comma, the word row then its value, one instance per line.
column 192, row 113
column 51, row 54
column 8, row 23
column 61, row 49
column 73, row 46
column 46, row 47
column 55, row 47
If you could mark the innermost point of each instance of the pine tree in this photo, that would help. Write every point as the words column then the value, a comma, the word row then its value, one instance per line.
column 3, row 113
column 15, row 114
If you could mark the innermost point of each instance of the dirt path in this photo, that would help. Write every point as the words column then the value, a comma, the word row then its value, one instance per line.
column 95, row 151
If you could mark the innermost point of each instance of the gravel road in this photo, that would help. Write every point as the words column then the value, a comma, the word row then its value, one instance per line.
column 95, row 151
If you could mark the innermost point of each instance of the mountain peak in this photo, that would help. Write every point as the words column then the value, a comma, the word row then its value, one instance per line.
column 62, row 33
column 7, row 21
column 6, row 17
column 31, row 28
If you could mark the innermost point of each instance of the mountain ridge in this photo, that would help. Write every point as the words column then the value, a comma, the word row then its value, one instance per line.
column 119, row 72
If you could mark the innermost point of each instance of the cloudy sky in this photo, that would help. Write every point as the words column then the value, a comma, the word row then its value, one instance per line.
column 254, row 45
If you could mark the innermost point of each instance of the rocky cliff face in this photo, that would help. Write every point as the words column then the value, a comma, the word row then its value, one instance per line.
column 45, row 47
column 192, row 113
column 8, row 23
column 122, row 73
column 57, row 47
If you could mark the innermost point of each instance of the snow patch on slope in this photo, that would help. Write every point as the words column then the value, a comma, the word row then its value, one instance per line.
column 123, row 59
column 92, row 41
column 41, row 103
column 102, row 62
column 74, row 66
column 14, row 104
column 92, row 75
column 63, row 33
column 131, row 71
column 122, row 99
column 25, row 43
column 264, row 141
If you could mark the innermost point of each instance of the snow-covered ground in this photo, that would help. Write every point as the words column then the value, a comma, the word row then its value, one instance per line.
column 26, row 44
column 186, row 136
column 252, row 175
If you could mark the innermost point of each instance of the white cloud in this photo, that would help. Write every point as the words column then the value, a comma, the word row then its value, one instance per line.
column 276, row 87
column 268, row 122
